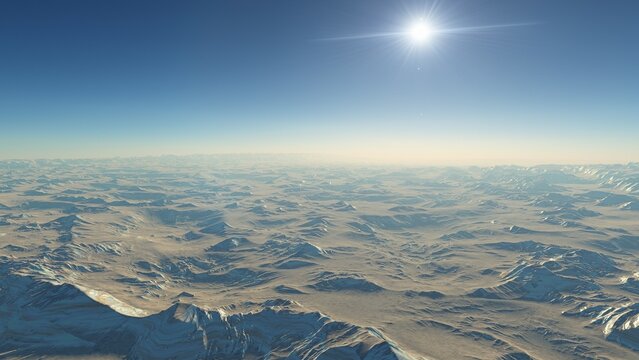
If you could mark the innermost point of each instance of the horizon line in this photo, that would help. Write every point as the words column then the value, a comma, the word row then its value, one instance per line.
column 329, row 158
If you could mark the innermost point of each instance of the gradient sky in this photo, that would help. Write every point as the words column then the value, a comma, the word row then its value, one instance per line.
column 126, row 78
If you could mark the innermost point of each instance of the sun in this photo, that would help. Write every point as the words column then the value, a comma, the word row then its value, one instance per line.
column 421, row 32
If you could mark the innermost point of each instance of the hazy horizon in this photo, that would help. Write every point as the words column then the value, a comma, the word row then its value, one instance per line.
column 318, row 159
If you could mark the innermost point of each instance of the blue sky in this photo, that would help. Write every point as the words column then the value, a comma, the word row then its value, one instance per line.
column 117, row 78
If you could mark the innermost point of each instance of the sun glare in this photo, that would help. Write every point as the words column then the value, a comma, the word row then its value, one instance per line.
column 421, row 32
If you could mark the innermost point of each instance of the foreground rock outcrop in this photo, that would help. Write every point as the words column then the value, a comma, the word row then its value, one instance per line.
column 45, row 317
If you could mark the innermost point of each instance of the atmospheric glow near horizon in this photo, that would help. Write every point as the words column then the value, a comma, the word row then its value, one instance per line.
column 408, row 82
